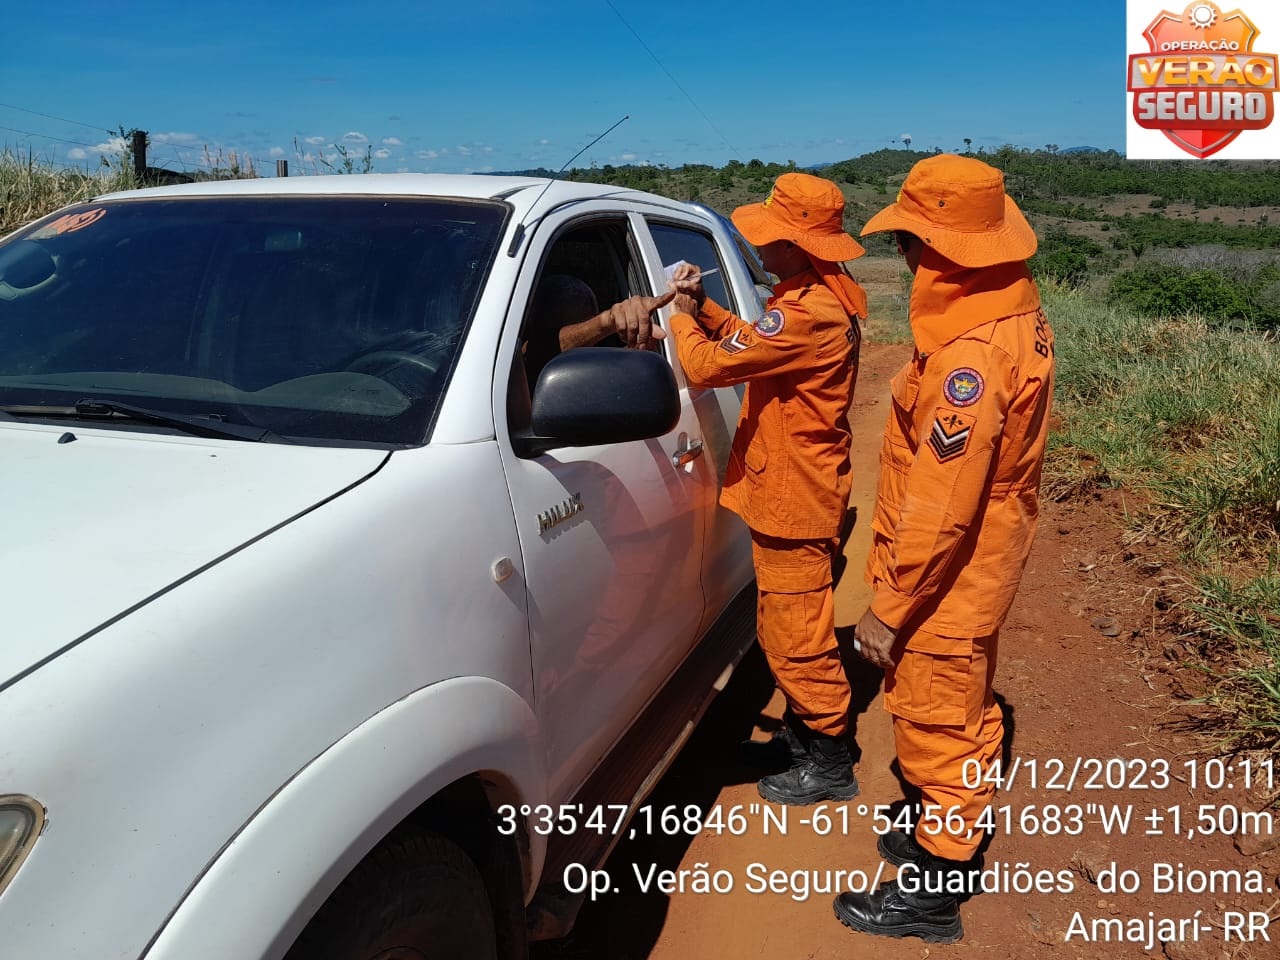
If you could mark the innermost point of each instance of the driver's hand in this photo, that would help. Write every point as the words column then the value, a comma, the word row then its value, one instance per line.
column 632, row 319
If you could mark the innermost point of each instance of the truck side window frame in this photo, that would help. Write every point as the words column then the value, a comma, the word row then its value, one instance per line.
column 617, row 274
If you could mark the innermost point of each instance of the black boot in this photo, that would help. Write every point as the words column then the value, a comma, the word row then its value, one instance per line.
column 928, row 908
column 824, row 772
column 899, row 847
column 784, row 749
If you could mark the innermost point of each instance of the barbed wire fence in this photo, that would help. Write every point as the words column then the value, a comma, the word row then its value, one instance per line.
column 134, row 149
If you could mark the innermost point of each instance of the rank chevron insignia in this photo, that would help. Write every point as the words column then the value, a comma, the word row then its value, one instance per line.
column 736, row 343
column 950, row 435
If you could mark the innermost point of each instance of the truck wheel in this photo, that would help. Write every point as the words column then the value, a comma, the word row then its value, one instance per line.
column 417, row 896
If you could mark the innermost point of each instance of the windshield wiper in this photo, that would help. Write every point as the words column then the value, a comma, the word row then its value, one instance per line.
column 91, row 409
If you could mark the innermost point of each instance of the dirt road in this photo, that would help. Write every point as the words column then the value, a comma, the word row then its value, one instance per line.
column 1070, row 693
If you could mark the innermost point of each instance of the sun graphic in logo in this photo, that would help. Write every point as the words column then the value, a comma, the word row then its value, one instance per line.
column 1201, row 16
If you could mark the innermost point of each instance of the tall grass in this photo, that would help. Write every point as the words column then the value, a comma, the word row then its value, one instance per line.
column 1188, row 413
column 30, row 188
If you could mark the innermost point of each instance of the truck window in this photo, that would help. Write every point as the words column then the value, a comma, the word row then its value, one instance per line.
column 682, row 243
column 589, row 267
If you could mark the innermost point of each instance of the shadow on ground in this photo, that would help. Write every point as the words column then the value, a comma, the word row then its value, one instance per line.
column 626, row 925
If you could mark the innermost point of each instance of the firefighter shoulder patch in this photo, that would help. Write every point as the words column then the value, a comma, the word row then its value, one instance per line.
column 770, row 323
column 963, row 387
column 739, row 341
column 949, row 437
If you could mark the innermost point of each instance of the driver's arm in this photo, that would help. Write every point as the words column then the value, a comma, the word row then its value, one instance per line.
column 587, row 333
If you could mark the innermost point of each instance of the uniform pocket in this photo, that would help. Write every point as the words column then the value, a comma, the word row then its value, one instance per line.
column 905, row 387
column 756, row 457
column 931, row 683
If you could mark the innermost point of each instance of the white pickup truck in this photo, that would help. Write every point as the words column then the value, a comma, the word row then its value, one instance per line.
column 310, row 607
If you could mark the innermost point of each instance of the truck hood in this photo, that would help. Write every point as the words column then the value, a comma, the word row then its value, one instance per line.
column 91, row 528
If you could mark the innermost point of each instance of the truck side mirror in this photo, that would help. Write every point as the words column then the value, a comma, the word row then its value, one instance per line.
column 595, row 395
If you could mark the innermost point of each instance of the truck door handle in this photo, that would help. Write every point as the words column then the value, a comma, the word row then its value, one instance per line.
column 686, row 455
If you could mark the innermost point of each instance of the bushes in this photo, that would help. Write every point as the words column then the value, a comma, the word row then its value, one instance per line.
column 1168, row 290
column 1154, row 230
column 1163, row 290
column 1064, row 258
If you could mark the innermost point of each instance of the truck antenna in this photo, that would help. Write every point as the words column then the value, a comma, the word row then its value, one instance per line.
column 519, row 234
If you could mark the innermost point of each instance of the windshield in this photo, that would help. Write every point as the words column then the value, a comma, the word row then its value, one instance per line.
column 333, row 319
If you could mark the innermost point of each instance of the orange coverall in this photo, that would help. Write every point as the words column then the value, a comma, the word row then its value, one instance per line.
column 956, row 511
column 788, row 473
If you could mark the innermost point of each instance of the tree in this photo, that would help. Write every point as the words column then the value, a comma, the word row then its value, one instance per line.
column 967, row 144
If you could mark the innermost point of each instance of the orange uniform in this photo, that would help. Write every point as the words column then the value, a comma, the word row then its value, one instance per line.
column 960, row 467
column 788, row 474
column 956, row 511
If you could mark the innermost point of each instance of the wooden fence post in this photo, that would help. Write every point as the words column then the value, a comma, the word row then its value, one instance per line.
column 140, row 154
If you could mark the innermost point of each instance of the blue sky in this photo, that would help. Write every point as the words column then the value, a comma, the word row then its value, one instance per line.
column 487, row 85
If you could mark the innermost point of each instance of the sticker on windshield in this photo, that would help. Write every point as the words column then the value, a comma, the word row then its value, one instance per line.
column 69, row 223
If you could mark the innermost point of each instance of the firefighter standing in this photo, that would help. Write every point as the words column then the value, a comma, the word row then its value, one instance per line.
column 788, row 474
column 956, row 510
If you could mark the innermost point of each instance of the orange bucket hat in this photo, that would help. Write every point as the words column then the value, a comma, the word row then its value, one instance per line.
column 957, row 205
column 804, row 209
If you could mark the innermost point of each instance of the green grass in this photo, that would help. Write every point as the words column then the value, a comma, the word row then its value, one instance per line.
column 1187, row 413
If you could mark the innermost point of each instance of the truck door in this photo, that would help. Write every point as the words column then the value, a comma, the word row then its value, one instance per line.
column 612, row 566
column 726, row 562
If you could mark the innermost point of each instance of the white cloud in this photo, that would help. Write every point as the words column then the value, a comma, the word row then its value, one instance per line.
column 463, row 151
column 427, row 154
column 174, row 138
column 277, row 152
column 544, row 142
column 382, row 153
column 487, row 150
column 315, row 141
column 113, row 147
column 627, row 158
column 392, row 142
column 355, row 136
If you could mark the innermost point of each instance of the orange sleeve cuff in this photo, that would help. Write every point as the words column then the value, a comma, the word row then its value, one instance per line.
column 892, row 607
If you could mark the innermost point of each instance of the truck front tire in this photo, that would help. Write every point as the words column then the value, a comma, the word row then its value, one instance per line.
column 416, row 896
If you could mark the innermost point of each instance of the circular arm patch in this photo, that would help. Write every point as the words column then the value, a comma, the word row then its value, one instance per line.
column 963, row 387
column 770, row 324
